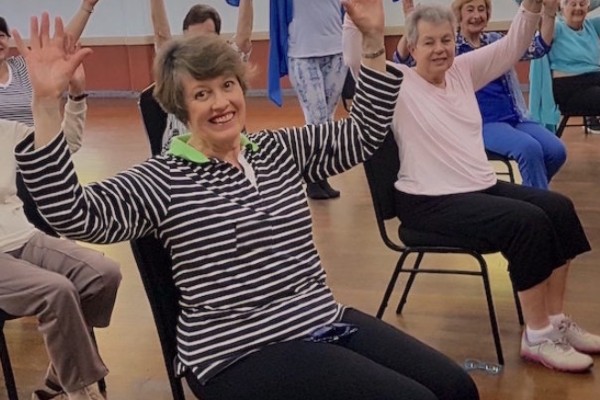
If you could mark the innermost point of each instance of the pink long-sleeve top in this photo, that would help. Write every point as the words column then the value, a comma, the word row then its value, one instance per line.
column 438, row 130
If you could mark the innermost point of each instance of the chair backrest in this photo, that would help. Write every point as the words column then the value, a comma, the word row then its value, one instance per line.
column 155, row 268
column 348, row 91
column 382, row 172
column 30, row 208
column 154, row 117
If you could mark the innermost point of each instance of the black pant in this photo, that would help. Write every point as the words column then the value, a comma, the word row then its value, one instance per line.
column 578, row 94
column 536, row 230
column 378, row 362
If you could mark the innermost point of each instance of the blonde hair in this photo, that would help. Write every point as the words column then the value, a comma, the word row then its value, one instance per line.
column 457, row 6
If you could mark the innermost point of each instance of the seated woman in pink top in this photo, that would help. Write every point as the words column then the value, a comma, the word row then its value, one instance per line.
column 446, row 185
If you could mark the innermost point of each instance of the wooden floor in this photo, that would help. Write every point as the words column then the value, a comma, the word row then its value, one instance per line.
column 449, row 313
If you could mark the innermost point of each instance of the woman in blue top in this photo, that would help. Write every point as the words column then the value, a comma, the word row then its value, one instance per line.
column 575, row 59
column 507, row 128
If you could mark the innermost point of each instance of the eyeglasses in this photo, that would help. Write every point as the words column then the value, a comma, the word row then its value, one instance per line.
column 491, row 368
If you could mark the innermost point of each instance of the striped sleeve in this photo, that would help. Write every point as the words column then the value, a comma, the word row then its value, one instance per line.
column 124, row 207
column 328, row 149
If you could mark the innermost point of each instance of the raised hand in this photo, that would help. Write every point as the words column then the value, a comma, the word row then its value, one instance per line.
column 408, row 6
column 367, row 15
column 551, row 6
column 49, row 61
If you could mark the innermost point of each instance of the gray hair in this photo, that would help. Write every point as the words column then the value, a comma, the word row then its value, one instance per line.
column 435, row 14
column 563, row 3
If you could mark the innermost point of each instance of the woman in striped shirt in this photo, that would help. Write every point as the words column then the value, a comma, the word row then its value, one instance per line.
column 257, row 319
column 15, row 88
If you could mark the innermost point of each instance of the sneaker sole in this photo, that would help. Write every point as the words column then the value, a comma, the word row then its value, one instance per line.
column 538, row 360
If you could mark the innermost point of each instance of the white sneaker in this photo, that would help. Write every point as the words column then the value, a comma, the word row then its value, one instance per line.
column 577, row 337
column 555, row 353
column 90, row 392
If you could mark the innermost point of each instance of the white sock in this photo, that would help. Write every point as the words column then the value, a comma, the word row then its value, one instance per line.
column 538, row 335
column 557, row 319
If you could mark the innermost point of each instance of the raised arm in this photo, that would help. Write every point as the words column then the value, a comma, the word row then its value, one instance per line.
column 489, row 62
column 160, row 23
column 77, row 24
column 327, row 149
column 362, row 35
column 51, row 63
column 548, row 22
column 244, row 26
column 75, row 110
column 402, row 46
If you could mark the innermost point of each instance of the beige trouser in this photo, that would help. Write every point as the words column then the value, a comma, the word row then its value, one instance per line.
column 70, row 289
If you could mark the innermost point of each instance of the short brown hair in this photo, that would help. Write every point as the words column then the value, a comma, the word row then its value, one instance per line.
column 201, row 13
column 4, row 26
column 200, row 57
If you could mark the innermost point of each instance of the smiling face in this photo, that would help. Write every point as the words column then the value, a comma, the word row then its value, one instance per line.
column 434, row 50
column 216, row 111
column 574, row 12
column 473, row 17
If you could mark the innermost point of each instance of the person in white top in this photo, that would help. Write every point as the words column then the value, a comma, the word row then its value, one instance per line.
column 69, row 288
column 201, row 19
column 316, row 67
column 446, row 185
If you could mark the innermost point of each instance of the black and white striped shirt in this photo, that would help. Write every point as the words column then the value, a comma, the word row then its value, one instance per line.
column 15, row 94
column 243, row 255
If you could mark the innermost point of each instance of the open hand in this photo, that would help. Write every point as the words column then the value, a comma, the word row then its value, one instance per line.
column 367, row 15
column 50, row 62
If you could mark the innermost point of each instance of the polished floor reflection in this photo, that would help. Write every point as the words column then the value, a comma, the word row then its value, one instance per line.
column 446, row 312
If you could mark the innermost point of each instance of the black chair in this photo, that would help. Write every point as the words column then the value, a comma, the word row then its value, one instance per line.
column 507, row 165
column 9, row 378
column 31, row 211
column 154, row 117
column 154, row 266
column 381, row 171
column 348, row 91
column 564, row 119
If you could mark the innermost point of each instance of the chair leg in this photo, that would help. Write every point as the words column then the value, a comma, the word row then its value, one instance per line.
column 562, row 125
column 519, row 309
column 391, row 284
column 101, row 382
column 9, row 378
column 488, row 294
column 409, row 283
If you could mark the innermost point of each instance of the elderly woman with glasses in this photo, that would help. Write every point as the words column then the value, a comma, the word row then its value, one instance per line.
column 446, row 185
column 507, row 127
column 257, row 318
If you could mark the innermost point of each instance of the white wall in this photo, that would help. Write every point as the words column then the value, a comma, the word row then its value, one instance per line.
column 131, row 18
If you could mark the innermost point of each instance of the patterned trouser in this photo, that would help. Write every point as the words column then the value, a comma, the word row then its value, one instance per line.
column 318, row 82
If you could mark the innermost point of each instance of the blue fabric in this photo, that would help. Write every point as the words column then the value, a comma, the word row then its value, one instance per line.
column 539, row 153
column 280, row 16
column 542, row 107
column 235, row 3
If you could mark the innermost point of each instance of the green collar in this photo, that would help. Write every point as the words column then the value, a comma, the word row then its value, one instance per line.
column 180, row 148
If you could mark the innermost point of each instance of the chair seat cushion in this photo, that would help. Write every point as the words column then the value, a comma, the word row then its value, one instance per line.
column 415, row 238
